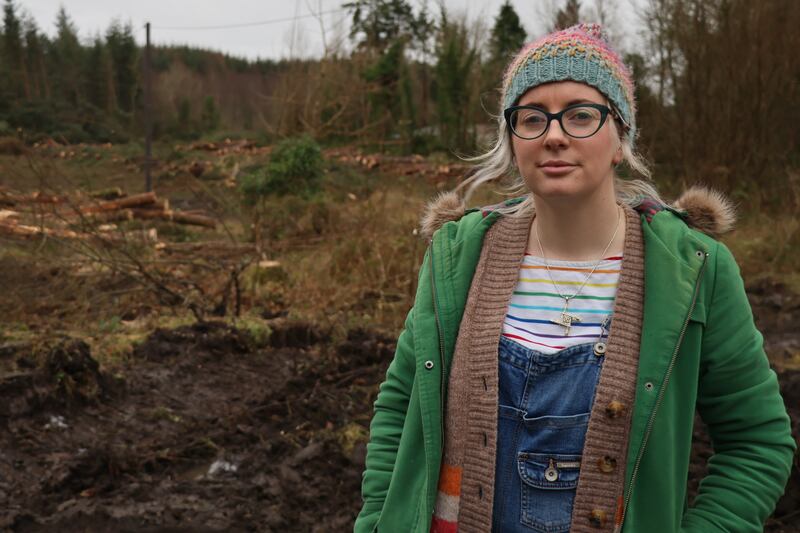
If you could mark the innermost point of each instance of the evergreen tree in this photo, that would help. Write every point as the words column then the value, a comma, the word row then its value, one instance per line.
column 16, row 78
column 124, row 55
column 377, row 24
column 384, row 77
column 209, row 118
column 507, row 36
column 452, row 81
column 66, row 60
column 383, row 31
column 568, row 16
column 98, row 76
column 35, row 44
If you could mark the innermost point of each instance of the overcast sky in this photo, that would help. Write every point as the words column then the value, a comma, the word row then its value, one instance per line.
column 292, row 31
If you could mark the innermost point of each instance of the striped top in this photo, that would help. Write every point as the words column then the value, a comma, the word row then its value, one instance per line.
column 535, row 302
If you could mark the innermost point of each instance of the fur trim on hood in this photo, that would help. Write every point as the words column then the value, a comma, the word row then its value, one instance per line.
column 445, row 207
column 705, row 209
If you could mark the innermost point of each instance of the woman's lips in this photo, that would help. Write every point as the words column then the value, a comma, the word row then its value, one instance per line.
column 557, row 170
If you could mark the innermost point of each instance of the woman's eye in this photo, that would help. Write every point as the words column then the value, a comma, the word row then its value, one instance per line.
column 581, row 115
column 533, row 119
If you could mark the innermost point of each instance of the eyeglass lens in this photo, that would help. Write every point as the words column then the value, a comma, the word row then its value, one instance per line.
column 576, row 122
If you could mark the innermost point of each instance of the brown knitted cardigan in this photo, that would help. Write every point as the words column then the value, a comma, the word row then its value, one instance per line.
column 471, row 412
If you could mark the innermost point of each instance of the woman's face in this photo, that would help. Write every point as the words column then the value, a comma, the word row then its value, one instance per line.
column 556, row 165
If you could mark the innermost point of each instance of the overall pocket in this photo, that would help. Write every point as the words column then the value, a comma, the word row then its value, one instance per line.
column 548, row 488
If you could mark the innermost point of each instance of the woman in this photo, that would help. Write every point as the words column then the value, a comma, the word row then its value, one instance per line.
column 548, row 374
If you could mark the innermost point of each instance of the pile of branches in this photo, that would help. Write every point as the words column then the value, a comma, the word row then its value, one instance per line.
column 38, row 214
column 202, row 276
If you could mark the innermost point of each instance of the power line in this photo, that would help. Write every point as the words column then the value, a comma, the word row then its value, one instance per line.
column 248, row 24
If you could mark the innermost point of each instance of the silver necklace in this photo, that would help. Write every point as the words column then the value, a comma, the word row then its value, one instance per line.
column 566, row 319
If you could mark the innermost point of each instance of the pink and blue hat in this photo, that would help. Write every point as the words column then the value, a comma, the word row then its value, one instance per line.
column 579, row 53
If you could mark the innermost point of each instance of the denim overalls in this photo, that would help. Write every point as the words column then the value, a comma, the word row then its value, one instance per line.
column 544, row 405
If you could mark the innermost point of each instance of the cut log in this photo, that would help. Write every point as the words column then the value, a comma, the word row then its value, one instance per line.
column 7, row 215
column 107, row 234
column 194, row 220
column 162, row 204
column 137, row 200
column 11, row 199
column 120, row 215
column 31, row 232
column 175, row 216
column 111, row 193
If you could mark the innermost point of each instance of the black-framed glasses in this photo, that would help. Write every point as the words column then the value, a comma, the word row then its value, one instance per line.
column 578, row 120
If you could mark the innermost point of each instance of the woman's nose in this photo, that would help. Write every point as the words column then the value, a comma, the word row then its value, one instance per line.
column 555, row 137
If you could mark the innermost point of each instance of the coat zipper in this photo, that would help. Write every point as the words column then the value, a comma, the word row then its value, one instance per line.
column 441, row 345
column 661, row 392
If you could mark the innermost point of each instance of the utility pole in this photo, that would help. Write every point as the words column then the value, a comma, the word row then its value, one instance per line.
column 148, row 129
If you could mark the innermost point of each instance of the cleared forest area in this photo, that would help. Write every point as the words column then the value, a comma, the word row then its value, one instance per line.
column 205, row 356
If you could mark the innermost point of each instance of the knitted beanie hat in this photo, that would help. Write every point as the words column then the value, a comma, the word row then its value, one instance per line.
column 579, row 53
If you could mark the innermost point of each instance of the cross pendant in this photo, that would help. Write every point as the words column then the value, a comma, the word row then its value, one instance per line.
column 566, row 319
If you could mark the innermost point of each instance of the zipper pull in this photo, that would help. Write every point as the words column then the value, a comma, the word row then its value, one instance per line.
column 551, row 474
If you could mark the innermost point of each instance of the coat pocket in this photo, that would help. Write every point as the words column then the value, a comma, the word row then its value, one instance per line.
column 548, row 489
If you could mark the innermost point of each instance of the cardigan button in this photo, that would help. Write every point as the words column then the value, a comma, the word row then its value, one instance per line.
column 428, row 364
column 615, row 409
column 607, row 464
column 598, row 518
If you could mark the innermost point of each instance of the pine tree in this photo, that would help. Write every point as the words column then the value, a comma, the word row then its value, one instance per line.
column 66, row 60
column 383, row 31
column 97, row 75
column 209, row 118
column 35, row 44
column 507, row 36
column 16, row 81
column 384, row 76
column 452, row 82
column 124, row 55
column 377, row 24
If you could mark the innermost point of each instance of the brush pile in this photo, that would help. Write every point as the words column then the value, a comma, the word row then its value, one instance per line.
column 83, row 216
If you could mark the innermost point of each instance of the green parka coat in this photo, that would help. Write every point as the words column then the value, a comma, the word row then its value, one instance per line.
column 699, row 350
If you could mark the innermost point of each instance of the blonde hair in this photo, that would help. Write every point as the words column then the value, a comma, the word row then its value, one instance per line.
column 498, row 163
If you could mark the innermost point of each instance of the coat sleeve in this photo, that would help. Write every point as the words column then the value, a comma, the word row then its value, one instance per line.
column 739, row 400
column 386, row 428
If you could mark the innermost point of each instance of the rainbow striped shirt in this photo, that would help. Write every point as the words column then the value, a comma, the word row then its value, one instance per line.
column 535, row 302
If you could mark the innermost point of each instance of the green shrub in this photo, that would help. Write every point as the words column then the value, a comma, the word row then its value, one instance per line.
column 295, row 168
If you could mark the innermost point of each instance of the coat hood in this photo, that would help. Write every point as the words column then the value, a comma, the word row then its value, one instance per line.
column 702, row 208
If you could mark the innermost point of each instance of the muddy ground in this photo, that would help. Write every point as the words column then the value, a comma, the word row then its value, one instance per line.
column 203, row 430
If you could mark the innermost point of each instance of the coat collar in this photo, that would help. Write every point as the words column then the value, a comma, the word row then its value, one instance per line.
column 701, row 208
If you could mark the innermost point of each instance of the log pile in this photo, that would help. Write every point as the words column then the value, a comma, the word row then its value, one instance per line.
column 39, row 214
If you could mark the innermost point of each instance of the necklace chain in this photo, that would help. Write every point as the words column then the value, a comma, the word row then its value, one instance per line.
column 567, row 319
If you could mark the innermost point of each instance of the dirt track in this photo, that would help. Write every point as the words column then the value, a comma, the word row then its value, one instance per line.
column 201, row 431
